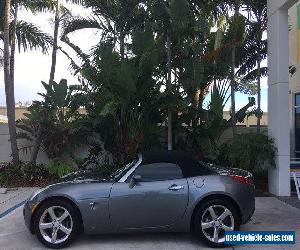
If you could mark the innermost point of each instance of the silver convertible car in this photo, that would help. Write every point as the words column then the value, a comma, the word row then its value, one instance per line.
column 158, row 192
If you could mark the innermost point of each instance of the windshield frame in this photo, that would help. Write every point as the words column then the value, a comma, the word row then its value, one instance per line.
column 132, row 169
column 118, row 174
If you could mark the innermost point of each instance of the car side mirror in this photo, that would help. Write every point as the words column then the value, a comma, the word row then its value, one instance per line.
column 134, row 180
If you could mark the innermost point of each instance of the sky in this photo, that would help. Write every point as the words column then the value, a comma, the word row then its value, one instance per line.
column 33, row 67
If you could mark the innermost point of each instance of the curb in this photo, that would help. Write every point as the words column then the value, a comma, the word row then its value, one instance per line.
column 8, row 211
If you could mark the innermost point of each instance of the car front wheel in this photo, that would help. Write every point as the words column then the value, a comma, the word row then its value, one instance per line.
column 213, row 219
column 56, row 224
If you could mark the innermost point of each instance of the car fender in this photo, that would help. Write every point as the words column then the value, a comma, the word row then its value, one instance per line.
column 91, row 200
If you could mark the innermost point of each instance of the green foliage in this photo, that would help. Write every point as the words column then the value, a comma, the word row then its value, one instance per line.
column 59, row 168
column 63, row 128
column 37, row 175
column 31, row 37
column 24, row 175
column 28, row 35
column 203, row 137
column 122, row 101
column 124, row 85
column 253, row 152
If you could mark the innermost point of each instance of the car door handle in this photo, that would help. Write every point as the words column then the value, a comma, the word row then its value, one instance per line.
column 175, row 187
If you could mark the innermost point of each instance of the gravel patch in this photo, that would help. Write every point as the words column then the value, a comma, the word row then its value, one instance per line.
column 292, row 201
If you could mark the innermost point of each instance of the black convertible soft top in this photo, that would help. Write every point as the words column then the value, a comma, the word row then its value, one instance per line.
column 189, row 165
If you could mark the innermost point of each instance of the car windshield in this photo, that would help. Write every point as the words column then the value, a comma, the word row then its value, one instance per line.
column 120, row 172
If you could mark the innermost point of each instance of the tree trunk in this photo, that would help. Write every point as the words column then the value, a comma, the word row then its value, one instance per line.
column 37, row 145
column 258, row 95
column 13, row 46
column 38, row 139
column 8, row 81
column 55, row 42
column 233, row 87
column 233, row 112
column 169, row 82
column 259, row 111
column 123, row 119
column 122, row 45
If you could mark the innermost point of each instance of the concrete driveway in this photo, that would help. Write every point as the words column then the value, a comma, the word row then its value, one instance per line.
column 271, row 214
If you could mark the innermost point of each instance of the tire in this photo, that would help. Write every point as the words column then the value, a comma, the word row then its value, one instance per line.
column 205, row 225
column 65, row 221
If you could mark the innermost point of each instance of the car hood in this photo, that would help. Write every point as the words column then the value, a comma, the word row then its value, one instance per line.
column 82, row 185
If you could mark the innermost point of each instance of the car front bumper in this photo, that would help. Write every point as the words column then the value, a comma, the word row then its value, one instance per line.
column 27, row 214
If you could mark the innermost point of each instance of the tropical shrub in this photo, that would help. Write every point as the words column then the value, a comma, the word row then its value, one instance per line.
column 24, row 175
column 123, row 99
column 253, row 152
column 202, row 138
column 59, row 168
column 54, row 124
column 126, row 86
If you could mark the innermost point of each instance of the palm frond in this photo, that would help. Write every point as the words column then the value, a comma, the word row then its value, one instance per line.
column 38, row 5
column 80, row 2
column 83, row 57
column 30, row 37
column 81, row 23
column 252, row 75
column 74, row 67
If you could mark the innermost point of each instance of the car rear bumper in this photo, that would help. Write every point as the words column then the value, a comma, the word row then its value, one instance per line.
column 247, row 219
column 246, row 200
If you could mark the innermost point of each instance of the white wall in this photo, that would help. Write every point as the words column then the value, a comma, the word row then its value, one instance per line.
column 293, row 48
column 279, row 93
column 5, row 151
column 4, row 144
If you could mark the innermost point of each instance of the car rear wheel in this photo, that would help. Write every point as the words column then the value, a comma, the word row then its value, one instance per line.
column 56, row 224
column 213, row 219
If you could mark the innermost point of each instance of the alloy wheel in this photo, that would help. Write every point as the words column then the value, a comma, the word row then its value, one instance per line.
column 215, row 220
column 56, row 224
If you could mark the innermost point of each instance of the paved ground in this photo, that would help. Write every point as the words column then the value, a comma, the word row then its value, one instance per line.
column 293, row 201
column 271, row 214
column 14, row 197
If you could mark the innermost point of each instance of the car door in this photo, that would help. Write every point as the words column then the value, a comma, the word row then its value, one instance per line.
column 159, row 199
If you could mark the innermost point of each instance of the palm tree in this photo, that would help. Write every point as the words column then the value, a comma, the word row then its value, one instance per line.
column 24, row 35
column 169, row 84
column 9, row 90
column 168, row 19
column 114, row 19
column 62, row 14
column 234, row 35
column 55, row 41
column 233, row 58
column 257, row 22
column 164, row 8
column 234, row 22
column 234, row 38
